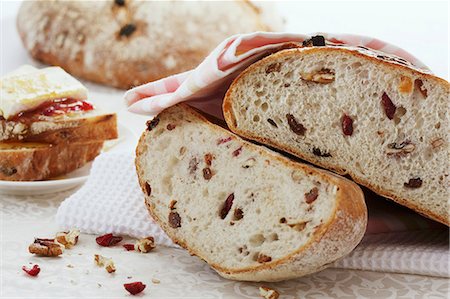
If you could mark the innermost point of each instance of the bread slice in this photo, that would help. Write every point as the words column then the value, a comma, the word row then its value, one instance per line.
column 249, row 212
column 76, row 127
column 355, row 112
column 24, row 161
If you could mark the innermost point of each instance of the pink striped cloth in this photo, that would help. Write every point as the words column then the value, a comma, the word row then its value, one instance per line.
column 206, row 84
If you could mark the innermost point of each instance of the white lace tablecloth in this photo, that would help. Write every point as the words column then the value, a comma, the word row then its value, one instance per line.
column 181, row 275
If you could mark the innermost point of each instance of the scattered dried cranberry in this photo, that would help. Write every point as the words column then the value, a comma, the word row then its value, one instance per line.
column 237, row 152
column 227, row 206
column 312, row 195
column 170, row 127
column 347, row 125
column 208, row 159
column 223, row 140
column 174, row 220
column 128, row 247
column 207, row 173
column 295, row 126
column 151, row 124
column 388, row 106
column 33, row 271
column 108, row 240
column 134, row 287
column 418, row 84
column 238, row 214
column 413, row 183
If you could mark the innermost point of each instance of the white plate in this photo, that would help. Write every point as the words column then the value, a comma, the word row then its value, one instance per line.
column 126, row 140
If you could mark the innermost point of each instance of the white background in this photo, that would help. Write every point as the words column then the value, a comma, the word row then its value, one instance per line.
column 420, row 27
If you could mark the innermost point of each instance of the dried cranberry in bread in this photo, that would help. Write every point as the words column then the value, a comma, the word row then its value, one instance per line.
column 249, row 212
column 128, row 43
column 355, row 112
column 26, row 161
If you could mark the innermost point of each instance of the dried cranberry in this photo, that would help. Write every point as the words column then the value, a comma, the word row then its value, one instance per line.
column 170, row 127
column 388, row 106
column 151, row 124
column 413, row 183
column 108, row 240
column 238, row 214
column 208, row 159
column 223, row 140
column 295, row 126
column 237, row 152
column 227, row 206
column 312, row 195
column 33, row 271
column 347, row 125
column 174, row 220
column 134, row 287
column 128, row 247
column 207, row 173
column 418, row 84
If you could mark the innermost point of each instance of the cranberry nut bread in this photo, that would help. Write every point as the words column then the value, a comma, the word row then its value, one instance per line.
column 26, row 161
column 124, row 43
column 249, row 212
column 355, row 112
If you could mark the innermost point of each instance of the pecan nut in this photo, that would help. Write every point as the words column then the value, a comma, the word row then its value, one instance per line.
column 46, row 247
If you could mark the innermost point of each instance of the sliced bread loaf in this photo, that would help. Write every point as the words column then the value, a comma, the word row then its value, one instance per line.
column 249, row 212
column 26, row 161
column 355, row 112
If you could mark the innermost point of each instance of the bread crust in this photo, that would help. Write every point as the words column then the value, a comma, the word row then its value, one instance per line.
column 67, row 129
column 330, row 241
column 84, row 39
column 38, row 161
column 231, row 120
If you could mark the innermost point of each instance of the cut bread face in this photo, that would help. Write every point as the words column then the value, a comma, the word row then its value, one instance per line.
column 75, row 127
column 249, row 212
column 27, row 161
column 384, row 124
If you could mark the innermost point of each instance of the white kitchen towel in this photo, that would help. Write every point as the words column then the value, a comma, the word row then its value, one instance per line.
column 111, row 201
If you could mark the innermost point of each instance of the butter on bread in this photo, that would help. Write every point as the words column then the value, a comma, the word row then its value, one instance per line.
column 28, row 87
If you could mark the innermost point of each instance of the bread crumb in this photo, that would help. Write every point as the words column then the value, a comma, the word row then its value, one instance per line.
column 268, row 293
column 155, row 281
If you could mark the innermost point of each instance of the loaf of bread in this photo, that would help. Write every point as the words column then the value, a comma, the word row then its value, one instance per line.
column 249, row 212
column 27, row 161
column 124, row 43
column 353, row 111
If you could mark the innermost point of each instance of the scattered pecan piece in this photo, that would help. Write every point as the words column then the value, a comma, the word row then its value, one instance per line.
column 148, row 189
column 108, row 240
column 145, row 245
column 388, row 106
column 174, row 220
column 318, row 152
column 237, row 152
column 312, row 195
column 68, row 239
column 151, row 124
column 207, row 173
column 418, row 84
column 170, row 127
column 102, row 261
column 347, row 125
column 295, row 126
column 128, row 247
column 262, row 258
column 323, row 76
column 314, row 41
column 134, row 287
column 172, row 204
column 127, row 30
column 268, row 293
column 413, row 183
column 208, row 159
column 34, row 271
column 274, row 67
column 46, row 247
column 223, row 140
column 400, row 150
column 227, row 206
column 238, row 214
column 272, row 122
